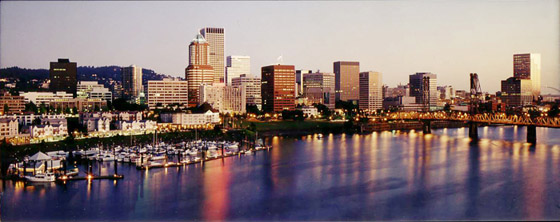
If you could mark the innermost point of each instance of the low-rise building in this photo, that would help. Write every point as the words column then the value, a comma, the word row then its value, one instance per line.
column 11, row 104
column 192, row 119
column 93, row 90
column 136, row 125
column 309, row 111
column 48, row 132
column 9, row 127
column 45, row 97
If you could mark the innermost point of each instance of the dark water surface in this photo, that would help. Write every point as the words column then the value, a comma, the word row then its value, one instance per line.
column 380, row 176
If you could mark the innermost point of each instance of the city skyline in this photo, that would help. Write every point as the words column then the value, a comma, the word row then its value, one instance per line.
column 459, row 39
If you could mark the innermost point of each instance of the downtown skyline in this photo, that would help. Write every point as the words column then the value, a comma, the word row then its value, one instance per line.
column 459, row 39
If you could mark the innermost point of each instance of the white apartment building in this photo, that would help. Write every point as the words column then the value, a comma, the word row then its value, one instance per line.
column 136, row 125
column 166, row 92
column 195, row 119
column 212, row 94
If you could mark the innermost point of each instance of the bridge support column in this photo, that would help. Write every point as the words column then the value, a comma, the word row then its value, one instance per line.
column 473, row 130
column 532, row 134
column 427, row 127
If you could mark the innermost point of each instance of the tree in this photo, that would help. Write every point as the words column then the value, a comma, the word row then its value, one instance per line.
column 96, row 108
column 253, row 109
column 31, row 107
column 6, row 108
column 36, row 121
column 447, row 107
column 554, row 111
column 324, row 110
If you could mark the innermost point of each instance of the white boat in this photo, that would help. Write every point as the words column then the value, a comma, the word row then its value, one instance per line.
column 41, row 178
column 108, row 157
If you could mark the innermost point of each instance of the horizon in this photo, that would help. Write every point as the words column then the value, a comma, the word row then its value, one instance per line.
column 450, row 39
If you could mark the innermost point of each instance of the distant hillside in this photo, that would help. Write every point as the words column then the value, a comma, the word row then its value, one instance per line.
column 28, row 78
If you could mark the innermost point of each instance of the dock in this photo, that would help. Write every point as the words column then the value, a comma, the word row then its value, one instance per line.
column 91, row 177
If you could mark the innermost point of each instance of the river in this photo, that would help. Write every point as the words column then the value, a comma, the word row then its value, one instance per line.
column 397, row 175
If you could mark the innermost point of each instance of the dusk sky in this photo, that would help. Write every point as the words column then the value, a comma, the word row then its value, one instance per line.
column 396, row 38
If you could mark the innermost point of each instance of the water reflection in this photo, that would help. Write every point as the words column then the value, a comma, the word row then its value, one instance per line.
column 395, row 175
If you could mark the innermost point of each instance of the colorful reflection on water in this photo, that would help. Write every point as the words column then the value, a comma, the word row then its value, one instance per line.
column 392, row 175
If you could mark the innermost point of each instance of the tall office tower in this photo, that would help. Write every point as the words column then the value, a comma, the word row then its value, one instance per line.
column 237, row 65
column 235, row 101
column 319, row 88
column 278, row 86
column 417, row 88
column 517, row 91
column 215, row 38
column 347, row 80
column 371, row 95
column 252, row 87
column 199, row 70
column 62, row 75
column 299, row 80
column 167, row 92
column 528, row 66
column 132, row 83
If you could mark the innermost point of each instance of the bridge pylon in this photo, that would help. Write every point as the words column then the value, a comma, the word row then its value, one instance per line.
column 473, row 130
column 532, row 134
column 426, row 126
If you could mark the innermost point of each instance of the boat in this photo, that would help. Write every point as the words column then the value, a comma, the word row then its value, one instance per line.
column 41, row 178
column 320, row 135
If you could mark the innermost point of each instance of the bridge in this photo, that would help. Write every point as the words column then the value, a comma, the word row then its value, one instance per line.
column 475, row 119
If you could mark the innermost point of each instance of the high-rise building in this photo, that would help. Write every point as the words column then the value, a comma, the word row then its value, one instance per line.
column 167, row 92
column 234, row 100
column 63, row 76
column 517, row 91
column 347, row 80
column 252, row 88
column 237, row 65
column 132, row 83
column 429, row 95
column 199, row 70
column 319, row 88
column 278, row 87
column 528, row 66
column 299, row 80
column 371, row 95
column 11, row 104
column 216, row 38
column 93, row 90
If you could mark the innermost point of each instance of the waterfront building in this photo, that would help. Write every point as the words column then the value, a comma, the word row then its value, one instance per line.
column 27, row 119
column 309, row 111
column 278, row 87
column 80, row 104
column 9, row 127
column 11, row 104
column 216, row 39
column 192, row 119
column 48, row 132
column 101, row 124
column 132, row 83
column 237, row 66
column 517, row 91
column 528, row 66
column 319, row 88
column 299, row 81
column 199, row 70
column 252, row 89
column 130, row 115
column 162, row 93
column 136, row 125
column 93, row 90
column 46, row 98
column 371, row 96
column 426, row 96
column 62, row 76
column 404, row 103
column 347, row 80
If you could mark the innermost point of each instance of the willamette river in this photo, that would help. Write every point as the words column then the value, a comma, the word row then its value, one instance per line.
column 380, row 176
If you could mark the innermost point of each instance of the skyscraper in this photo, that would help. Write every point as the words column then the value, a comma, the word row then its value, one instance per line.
column 371, row 95
column 347, row 80
column 62, row 75
column 237, row 65
column 132, row 82
column 299, row 80
column 517, row 91
column 215, row 38
column 278, row 86
column 199, row 70
column 417, row 88
column 528, row 66
column 319, row 88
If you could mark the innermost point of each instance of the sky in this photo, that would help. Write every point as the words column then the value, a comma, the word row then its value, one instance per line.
column 397, row 38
